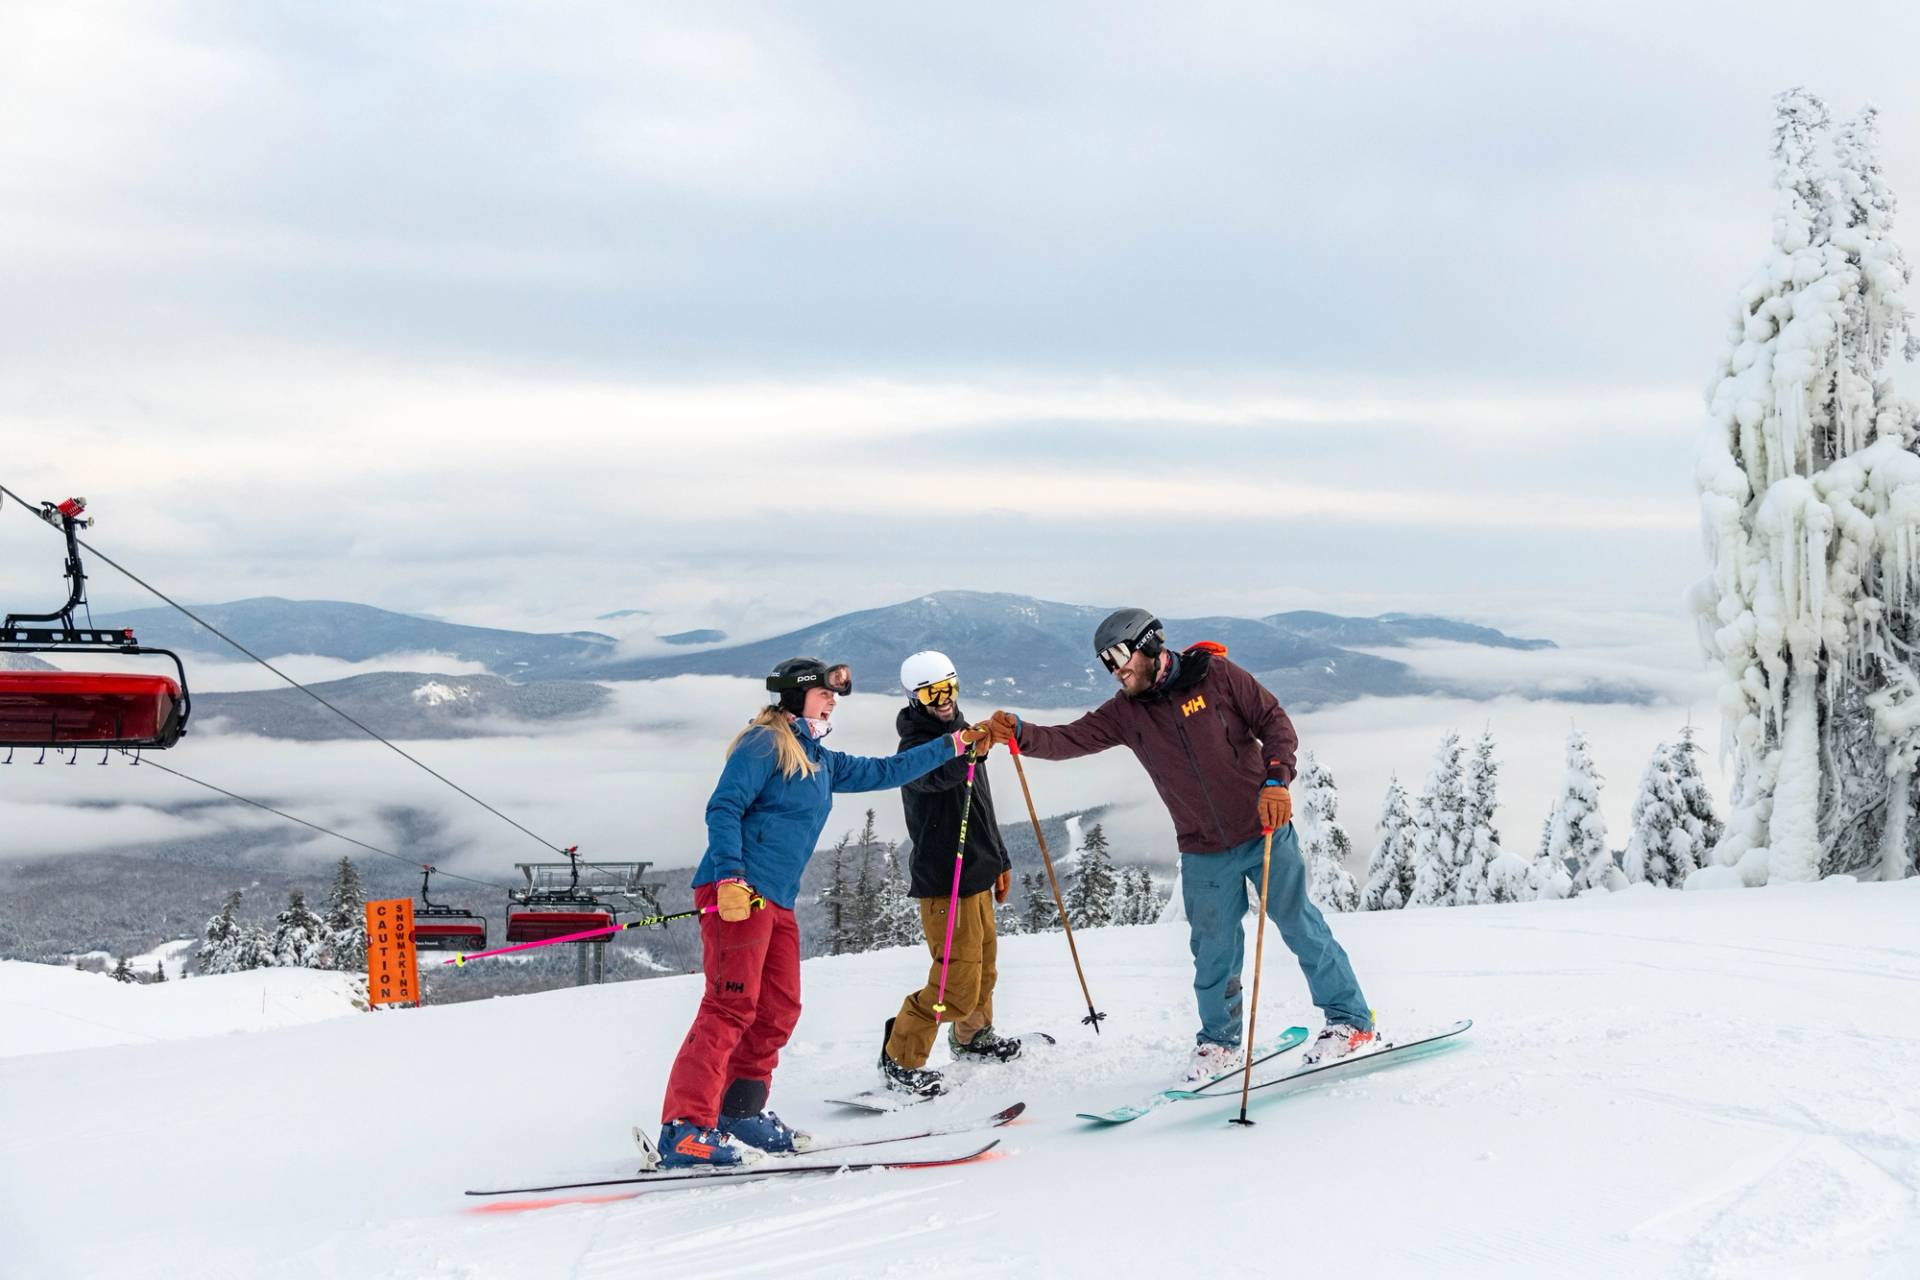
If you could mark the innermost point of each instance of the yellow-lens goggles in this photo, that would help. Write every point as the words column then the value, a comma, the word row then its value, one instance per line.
column 937, row 694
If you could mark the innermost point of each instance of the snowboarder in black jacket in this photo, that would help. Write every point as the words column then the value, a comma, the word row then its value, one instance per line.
column 934, row 805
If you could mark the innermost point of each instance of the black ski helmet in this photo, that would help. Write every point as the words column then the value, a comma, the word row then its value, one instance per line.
column 1135, row 629
column 793, row 677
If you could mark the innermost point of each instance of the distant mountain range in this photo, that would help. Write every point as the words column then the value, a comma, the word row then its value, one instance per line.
column 400, row 704
column 273, row 627
column 1013, row 649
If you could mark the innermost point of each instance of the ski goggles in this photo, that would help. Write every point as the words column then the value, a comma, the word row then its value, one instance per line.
column 938, row 694
column 835, row 679
column 1115, row 655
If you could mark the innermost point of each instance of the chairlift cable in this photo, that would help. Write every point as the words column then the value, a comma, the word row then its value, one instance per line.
column 135, row 578
column 147, row 763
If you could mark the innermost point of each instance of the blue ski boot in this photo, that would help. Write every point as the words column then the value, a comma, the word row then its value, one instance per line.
column 744, row 1118
column 685, row 1145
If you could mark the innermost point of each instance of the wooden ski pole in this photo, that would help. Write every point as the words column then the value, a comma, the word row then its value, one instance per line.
column 1093, row 1018
column 1253, row 1012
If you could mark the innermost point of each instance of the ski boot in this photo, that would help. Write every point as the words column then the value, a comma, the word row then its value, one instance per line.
column 685, row 1145
column 744, row 1118
column 1337, row 1040
column 1210, row 1061
column 914, row 1080
column 987, row 1045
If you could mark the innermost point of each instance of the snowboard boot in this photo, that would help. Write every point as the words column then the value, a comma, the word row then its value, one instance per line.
column 915, row 1080
column 1337, row 1040
column 987, row 1045
column 685, row 1145
column 1210, row 1061
column 744, row 1118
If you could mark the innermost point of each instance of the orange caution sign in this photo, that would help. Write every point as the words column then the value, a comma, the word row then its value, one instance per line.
column 393, row 975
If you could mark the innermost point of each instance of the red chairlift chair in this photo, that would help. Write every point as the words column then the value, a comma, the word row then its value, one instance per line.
column 553, row 910
column 443, row 928
column 68, row 709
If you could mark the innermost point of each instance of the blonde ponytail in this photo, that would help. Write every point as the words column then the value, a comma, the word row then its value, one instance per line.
column 786, row 746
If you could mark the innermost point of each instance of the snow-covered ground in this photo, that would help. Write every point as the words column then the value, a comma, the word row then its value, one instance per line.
column 1658, row 1084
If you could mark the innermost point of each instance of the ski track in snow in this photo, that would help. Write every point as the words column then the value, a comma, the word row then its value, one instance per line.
column 1658, row 1084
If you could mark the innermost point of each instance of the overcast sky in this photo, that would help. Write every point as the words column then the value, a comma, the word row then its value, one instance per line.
column 749, row 314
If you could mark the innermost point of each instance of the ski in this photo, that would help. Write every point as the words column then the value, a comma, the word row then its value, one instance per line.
column 1354, row 1064
column 888, row 1101
column 1291, row 1038
column 997, row 1120
column 769, row 1167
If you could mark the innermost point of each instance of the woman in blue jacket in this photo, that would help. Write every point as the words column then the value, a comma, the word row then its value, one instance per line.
column 763, row 822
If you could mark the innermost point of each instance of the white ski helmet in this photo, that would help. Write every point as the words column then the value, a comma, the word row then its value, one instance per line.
column 929, row 666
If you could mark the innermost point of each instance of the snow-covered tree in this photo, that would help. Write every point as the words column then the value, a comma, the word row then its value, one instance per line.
column 1323, row 841
column 220, row 940
column 1135, row 900
column 862, row 914
column 1390, row 869
column 160, row 971
column 299, row 936
column 1439, row 849
column 1090, row 899
column 897, row 922
column 1037, row 897
column 1810, row 497
column 345, row 919
column 122, row 971
column 1703, row 825
column 1492, row 874
column 834, row 896
column 1578, row 834
column 1653, row 855
column 1009, row 920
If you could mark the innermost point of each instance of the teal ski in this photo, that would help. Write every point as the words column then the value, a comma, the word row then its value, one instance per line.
column 1386, row 1055
column 1291, row 1038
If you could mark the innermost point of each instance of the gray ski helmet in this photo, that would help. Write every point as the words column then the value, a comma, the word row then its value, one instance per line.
column 792, row 678
column 1123, row 632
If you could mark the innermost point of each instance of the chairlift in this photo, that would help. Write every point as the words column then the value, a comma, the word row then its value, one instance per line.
column 548, row 908
column 68, row 709
column 443, row 928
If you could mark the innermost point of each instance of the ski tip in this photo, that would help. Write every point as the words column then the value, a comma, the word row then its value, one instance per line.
column 1009, row 1115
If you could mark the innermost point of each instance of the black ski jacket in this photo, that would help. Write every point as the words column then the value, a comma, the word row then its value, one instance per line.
column 932, row 803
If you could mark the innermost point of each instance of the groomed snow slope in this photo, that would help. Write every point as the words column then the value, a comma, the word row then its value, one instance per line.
column 1658, row 1084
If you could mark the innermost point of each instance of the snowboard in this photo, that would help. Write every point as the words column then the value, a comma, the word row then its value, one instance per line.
column 1356, row 1064
column 1291, row 1038
column 886, row 1101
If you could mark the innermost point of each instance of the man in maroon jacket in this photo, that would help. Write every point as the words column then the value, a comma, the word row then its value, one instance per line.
column 1220, row 752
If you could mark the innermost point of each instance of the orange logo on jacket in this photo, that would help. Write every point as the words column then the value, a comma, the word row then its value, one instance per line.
column 1188, row 708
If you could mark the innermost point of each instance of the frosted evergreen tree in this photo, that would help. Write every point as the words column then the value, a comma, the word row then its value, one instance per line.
column 863, row 916
column 1090, row 899
column 1651, row 855
column 834, row 896
column 220, row 940
column 1041, row 914
column 898, row 922
column 1578, row 834
column 1323, row 841
column 299, row 936
column 1439, row 848
column 160, row 971
column 1490, row 873
column 1390, row 869
column 345, row 919
column 1810, row 499
column 1009, row 920
column 1703, row 826
column 123, row 971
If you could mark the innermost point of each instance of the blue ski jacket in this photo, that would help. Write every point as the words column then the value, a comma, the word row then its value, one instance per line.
column 763, row 826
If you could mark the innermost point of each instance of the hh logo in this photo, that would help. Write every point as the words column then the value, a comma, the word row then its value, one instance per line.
column 736, row 987
column 1188, row 708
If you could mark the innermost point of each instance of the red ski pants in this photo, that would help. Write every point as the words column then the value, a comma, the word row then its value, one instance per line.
column 752, row 1001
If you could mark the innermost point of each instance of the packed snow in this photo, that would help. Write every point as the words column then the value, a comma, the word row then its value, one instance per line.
column 1659, row 1083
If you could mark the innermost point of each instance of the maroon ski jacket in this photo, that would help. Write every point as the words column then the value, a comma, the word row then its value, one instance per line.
column 1209, row 739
